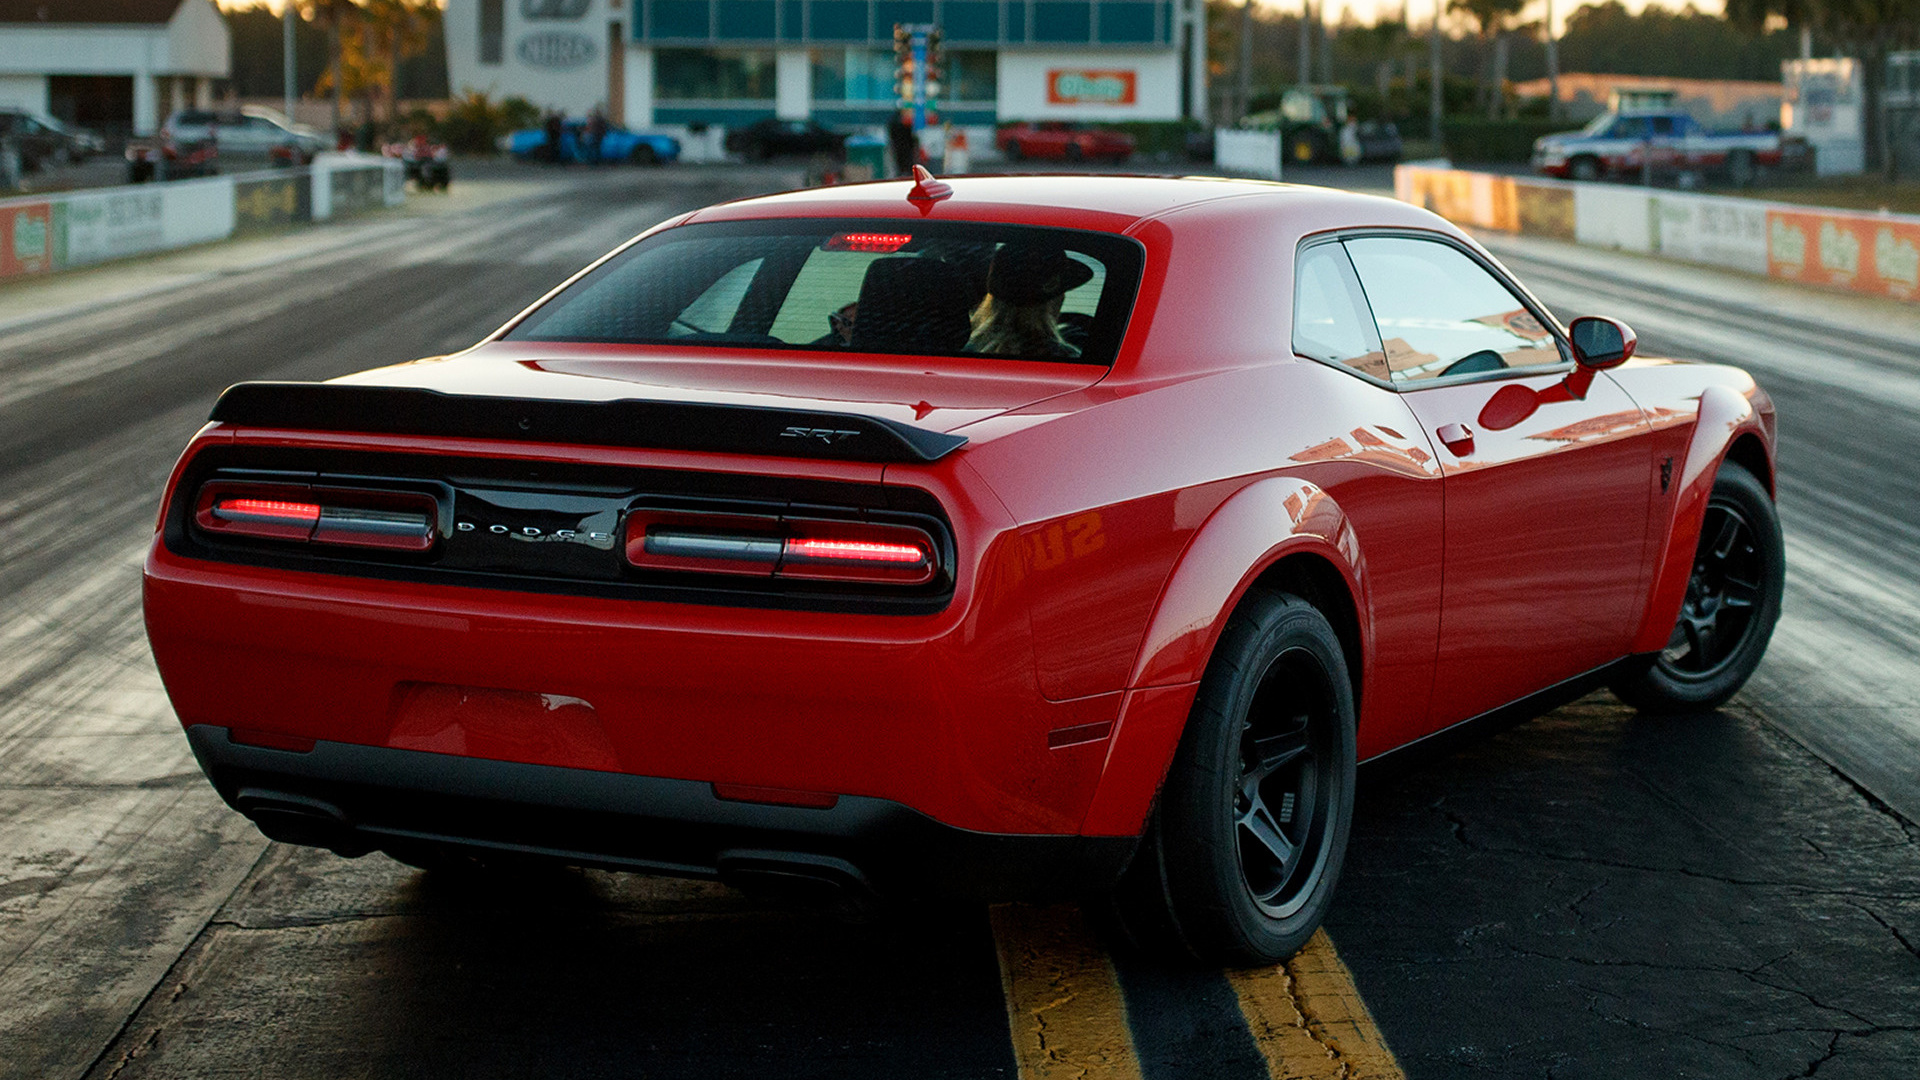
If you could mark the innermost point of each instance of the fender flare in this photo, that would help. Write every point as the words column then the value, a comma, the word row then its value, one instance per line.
column 1725, row 415
column 1251, row 531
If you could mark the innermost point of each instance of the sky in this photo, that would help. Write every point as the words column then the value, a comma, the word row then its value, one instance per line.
column 1365, row 11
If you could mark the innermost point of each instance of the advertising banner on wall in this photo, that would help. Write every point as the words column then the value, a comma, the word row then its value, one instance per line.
column 112, row 224
column 1077, row 86
column 116, row 222
column 261, row 202
column 1858, row 251
column 1719, row 232
column 26, row 239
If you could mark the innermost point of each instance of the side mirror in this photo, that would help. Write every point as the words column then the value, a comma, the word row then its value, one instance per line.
column 1600, row 343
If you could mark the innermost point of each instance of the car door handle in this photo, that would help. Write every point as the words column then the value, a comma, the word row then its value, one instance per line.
column 1457, row 438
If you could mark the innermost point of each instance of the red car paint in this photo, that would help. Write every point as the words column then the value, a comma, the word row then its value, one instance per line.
column 1104, row 523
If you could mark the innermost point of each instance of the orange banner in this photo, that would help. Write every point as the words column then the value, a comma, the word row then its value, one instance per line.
column 1856, row 251
column 1076, row 86
column 26, row 239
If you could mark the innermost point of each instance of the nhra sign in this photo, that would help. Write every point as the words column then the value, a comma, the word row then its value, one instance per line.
column 1075, row 86
column 557, row 50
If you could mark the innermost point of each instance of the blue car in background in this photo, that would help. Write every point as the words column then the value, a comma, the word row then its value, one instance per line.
column 617, row 145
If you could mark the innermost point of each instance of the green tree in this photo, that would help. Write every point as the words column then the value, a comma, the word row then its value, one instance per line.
column 1491, row 19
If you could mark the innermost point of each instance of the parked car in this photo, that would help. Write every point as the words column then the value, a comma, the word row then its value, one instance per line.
column 1055, row 140
column 995, row 537
column 617, row 145
column 772, row 138
column 165, row 158
column 1626, row 144
column 247, row 131
column 43, row 140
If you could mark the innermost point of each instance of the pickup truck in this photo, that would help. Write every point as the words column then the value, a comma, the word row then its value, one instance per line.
column 1623, row 144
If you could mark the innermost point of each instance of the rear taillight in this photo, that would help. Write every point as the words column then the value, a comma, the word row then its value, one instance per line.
column 346, row 517
column 811, row 549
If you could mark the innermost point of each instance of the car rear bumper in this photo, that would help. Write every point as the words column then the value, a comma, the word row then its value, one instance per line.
column 355, row 798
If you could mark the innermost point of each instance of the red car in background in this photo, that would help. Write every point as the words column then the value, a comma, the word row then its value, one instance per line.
column 1012, row 537
column 1063, row 141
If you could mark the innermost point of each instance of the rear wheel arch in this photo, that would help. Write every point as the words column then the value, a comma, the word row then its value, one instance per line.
column 1276, row 536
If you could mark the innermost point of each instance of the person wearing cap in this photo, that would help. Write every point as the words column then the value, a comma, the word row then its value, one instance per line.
column 1020, row 315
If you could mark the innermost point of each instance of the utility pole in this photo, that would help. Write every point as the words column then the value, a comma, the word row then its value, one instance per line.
column 292, row 88
column 1243, row 77
column 1305, row 67
column 1433, row 63
column 1553, row 67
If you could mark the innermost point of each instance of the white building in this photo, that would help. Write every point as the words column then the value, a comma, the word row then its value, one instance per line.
column 730, row 62
column 117, row 66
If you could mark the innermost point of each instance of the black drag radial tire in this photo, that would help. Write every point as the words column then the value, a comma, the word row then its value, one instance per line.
column 1266, row 765
column 1732, row 603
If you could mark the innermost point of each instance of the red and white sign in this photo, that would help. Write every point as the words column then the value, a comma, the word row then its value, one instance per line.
column 1078, row 86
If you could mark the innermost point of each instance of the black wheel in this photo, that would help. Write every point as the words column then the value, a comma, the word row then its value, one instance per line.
column 1584, row 168
column 1241, row 856
column 642, row 154
column 1013, row 152
column 1072, row 151
column 1740, row 169
column 1732, row 602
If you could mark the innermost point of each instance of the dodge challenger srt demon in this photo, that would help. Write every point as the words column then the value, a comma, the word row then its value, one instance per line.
column 1007, row 537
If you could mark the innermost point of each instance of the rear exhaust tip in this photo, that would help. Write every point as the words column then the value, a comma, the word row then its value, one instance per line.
column 297, row 819
column 813, row 881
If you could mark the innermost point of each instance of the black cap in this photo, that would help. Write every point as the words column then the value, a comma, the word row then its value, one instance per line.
column 1028, row 273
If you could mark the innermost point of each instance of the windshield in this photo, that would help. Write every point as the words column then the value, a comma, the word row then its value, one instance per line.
column 1598, row 124
column 889, row 287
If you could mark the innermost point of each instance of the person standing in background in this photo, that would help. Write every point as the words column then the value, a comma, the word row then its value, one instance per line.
column 596, row 133
column 903, row 142
column 555, row 125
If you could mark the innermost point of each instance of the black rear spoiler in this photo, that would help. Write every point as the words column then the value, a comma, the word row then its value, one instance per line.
column 665, row 425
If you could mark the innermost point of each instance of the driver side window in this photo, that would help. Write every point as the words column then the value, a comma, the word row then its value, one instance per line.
column 1441, row 313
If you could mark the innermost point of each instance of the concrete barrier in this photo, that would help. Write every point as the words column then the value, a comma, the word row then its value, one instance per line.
column 1878, row 254
column 80, row 228
column 1247, row 153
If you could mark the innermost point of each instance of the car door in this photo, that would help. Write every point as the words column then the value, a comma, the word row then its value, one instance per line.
column 1546, row 517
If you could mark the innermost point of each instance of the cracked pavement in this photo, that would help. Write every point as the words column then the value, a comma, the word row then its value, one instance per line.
column 1599, row 893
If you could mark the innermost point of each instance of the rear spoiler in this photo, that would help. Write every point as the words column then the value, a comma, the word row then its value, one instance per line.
column 665, row 425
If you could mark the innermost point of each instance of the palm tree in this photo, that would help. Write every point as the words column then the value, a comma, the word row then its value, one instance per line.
column 1490, row 19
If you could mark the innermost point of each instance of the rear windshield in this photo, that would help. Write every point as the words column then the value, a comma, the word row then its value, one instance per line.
column 906, row 288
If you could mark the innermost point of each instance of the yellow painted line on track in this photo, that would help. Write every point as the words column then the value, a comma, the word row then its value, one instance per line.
column 1064, row 1004
column 1309, row 1020
column 1068, row 1015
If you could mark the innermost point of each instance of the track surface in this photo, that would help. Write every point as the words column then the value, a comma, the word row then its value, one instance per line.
column 1592, row 894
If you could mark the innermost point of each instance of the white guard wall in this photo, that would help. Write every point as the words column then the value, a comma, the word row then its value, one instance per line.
column 1023, row 76
column 27, row 92
column 555, row 62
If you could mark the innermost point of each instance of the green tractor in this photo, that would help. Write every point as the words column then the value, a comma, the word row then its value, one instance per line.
column 1309, row 120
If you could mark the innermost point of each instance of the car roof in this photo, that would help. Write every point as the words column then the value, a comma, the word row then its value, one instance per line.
column 1080, row 200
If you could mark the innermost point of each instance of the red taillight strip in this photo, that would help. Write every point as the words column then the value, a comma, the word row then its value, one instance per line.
column 855, row 551
column 263, row 510
column 771, row 546
column 389, row 520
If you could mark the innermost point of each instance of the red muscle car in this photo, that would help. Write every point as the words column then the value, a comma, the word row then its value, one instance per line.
column 1012, row 537
column 1063, row 141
